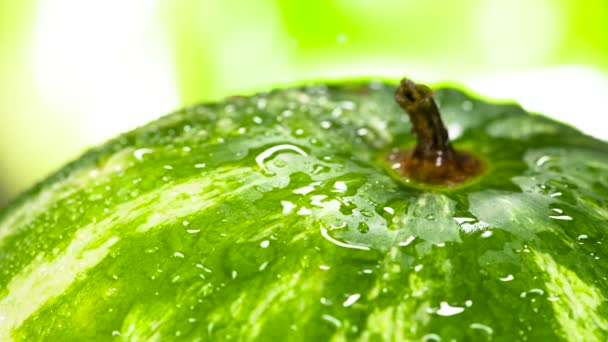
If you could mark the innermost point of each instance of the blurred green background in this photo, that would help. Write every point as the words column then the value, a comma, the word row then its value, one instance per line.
column 74, row 73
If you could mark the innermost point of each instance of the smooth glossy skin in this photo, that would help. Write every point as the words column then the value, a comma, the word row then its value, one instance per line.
column 276, row 217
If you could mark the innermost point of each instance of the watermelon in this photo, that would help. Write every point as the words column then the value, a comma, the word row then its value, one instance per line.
column 281, row 217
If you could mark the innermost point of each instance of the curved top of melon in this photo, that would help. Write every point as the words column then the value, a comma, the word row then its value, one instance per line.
column 277, row 216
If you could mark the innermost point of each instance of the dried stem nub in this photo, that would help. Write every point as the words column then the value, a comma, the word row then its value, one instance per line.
column 432, row 160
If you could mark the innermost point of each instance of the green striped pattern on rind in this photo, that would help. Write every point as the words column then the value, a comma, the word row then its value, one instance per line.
column 274, row 217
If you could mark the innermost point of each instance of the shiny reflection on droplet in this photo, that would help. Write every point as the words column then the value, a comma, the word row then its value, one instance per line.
column 139, row 153
column 483, row 327
column 325, row 234
column 487, row 234
column 407, row 241
column 542, row 160
column 264, row 244
column 507, row 278
column 333, row 320
column 561, row 217
column 326, row 301
column 362, row 131
column 431, row 338
column 446, row 309
column 351, row 300
column 263, row 266
column 582, row 237
column 261, row 158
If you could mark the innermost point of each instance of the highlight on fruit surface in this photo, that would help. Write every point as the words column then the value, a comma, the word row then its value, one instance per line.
column 284, row 216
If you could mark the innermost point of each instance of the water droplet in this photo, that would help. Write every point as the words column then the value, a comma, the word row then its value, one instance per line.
column 265, row 244
column 168, row 167
column 367, row 213
column 362, row 132
column 582, row 237
column 325, row 234
column 139, row 153
column 389, row 210
column 363, row 227
column 486, row 234
column 431, row 337
column 446, row 309
column 561, row 217
column 542, row 160
column 407, row 241
column 537, row 291
column 507, row 278
column 351, row 300
column 333, row 320
column 326, row 301
column 193, row 231
column 417, row 268
column 178, row 255
column 280, row 163
column 479, row 326
column 200, row 166
column 326, row 124
column 261, row 158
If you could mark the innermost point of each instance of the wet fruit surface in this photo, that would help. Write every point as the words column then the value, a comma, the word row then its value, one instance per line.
column 278, row 217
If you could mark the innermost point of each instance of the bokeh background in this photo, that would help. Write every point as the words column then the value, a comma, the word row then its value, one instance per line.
column 74, row 73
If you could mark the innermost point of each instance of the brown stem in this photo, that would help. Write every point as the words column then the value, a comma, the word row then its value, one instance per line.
column 432, row 160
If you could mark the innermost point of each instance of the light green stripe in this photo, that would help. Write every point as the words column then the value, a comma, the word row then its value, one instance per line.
column 45, row 279
column 78, row 180
column 575, row 303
